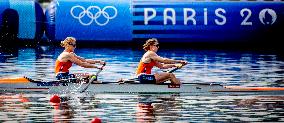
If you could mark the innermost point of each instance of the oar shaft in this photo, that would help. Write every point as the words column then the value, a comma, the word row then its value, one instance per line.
column 173, row 70
column 91, row 80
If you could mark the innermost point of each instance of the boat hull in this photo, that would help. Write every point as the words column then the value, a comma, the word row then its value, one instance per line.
column 191, row 89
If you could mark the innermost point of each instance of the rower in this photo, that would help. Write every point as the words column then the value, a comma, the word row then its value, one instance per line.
column 68, row 57
column 151, row 59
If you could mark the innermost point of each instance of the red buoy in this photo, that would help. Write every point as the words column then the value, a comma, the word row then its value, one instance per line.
column 96, row 120
column 55, row 99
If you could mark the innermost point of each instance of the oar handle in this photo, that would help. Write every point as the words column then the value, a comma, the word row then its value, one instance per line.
column 100, row 69
column 173, row 70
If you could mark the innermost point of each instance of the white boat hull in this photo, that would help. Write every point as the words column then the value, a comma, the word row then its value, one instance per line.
column 192, row 89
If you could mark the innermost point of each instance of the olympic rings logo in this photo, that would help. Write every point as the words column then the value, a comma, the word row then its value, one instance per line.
column 93, row 17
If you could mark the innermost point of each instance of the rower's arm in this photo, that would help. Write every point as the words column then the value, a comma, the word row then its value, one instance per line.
column 78, row 57
column 90, row 61
column 165, row 60
column 165, row 66
column 83, row 63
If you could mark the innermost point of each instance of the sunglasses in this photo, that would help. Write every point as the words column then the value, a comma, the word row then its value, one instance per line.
column 74, row 45
column 157, row 45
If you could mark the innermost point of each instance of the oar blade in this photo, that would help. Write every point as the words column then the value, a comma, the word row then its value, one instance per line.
column 14, row 80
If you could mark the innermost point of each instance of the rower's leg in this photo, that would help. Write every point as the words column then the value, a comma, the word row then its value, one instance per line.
column 173, row 79
column 163, row 77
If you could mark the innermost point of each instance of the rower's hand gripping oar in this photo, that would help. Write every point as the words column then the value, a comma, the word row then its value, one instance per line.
column 92, row 78
column 178, row 67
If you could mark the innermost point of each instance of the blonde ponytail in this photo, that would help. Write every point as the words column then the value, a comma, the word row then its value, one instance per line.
column 62, row 44
column 66, row 41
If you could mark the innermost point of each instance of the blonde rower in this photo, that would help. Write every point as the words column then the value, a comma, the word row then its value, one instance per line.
column 68, row 57
column 151, row 59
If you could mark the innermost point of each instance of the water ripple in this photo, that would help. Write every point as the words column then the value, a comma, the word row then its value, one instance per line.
column 228, row 67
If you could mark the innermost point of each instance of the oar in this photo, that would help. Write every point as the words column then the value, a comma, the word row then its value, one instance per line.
column 178, row 67
column 92, row 79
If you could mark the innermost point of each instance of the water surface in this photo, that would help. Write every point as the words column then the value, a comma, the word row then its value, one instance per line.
column 229, row 67
column 224, row 66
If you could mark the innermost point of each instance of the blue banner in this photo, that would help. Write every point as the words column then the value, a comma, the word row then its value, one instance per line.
column 175, row 21
column 94, row 20
column 205, row 21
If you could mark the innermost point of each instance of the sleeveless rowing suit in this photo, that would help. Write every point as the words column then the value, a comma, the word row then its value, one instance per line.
column 145, row 67
column 62, row 70
column 62, row 67
column 143, row 73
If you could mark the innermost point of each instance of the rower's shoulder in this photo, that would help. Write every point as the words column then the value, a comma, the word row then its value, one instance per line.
column 150, row 54
column 65, row 56
column 68, row 54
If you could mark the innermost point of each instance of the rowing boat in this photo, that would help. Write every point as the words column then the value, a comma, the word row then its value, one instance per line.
column 26, row 84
